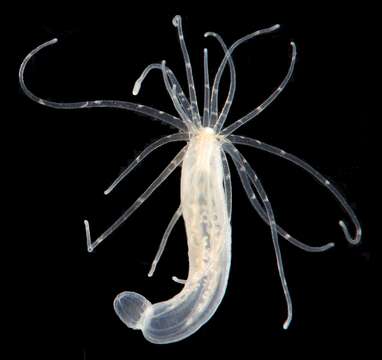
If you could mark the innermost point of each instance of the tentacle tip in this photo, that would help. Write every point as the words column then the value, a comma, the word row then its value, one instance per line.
column 107, row 191
column 345, row 230
column 177, row 280
column 87, row 229
column 176, row 20
column 152, row 269
column 88, row 238
column 294, row 50
column 136, row 88
column 53, row 41
column 276, row 26
column 286, row 324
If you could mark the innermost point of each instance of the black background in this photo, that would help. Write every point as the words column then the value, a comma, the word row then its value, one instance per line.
column 62, row 161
